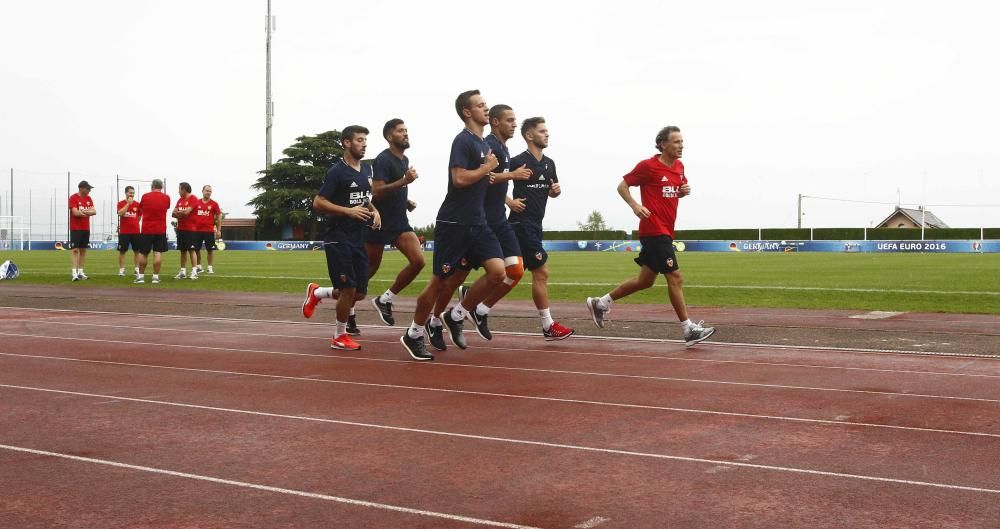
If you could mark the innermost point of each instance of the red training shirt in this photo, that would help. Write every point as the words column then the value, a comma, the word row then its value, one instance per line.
column 190, row 222
column 129, row 223
column 205, row 213
column 659, row 187
column 79, row 202
column 153, row 209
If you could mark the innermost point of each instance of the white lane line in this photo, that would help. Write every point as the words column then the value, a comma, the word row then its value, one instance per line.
column 592, row 523
column 739, row 345
column 526, row 442
column 519, row 349
column 436, row 364
column 313, row 378
column 268, row 488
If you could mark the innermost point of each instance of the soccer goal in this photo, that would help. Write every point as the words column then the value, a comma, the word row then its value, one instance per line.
column 13, row 233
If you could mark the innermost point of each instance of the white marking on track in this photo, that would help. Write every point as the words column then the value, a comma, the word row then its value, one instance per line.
column 525, row 442
column 525, row 397
column 268, row 488
column 591, row 523
column 876, row 315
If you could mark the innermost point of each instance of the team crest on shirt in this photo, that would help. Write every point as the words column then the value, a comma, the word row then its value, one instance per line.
column 445, row 268
column 670, row 263
column 463, row 262
column 538, row 256
column 343, row 278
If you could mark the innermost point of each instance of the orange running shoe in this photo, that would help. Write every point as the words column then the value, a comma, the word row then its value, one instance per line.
column 344, row 341
column 309, row 305
column 557, row 332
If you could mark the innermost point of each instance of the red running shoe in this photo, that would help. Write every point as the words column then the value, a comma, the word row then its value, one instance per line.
column 344, row 341
column 309, row 305
column 557, row 332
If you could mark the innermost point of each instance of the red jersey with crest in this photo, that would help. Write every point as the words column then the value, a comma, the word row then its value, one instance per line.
column 129, row 223
column 190, row 222
column 205, row 213
column 76, row 201
column 659, row 188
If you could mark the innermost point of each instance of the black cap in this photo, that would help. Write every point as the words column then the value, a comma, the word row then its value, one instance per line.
column 83, row 183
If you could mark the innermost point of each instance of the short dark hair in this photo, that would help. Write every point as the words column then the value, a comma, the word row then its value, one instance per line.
column 204, row 186
column 186, row 186
column 497, row 110
column 350, row 131
column 664, row 135
column 157, row 184
column 129, row 188
column 390, row 126
column 530, row 124
column 462, row 102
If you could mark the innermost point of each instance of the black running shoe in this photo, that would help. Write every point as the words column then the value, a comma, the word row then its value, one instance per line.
column 481, row 327
column 415, row 346
column 454, row 329
column 352, row 325
column 384, row 311
column 436, row 336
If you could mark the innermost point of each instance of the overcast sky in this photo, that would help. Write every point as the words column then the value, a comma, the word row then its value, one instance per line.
column 857, row 100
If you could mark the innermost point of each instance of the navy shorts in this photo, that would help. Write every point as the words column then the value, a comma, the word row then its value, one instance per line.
column 530, row 238
column 347, row 264
column 387, row 235
column 128, row 240
column 455, row 246
column 509, row 246
column 658, row 254
column 79, row 239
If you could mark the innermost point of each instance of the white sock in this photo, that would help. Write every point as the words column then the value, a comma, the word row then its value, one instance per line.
column 184, row 271
column 386, row 297
column 458, row 313
column 75, row 273
column 435, row 322
column 156, row 276
column 482, row 309
column 686, row 324
column 81, row 272
column 546, row 315
column 139, row 276
column 352, row 311
column 121, row 270
column 325, row 292
column 604, row 302
column 415, row 331
column 341, row 328
column 210, row 269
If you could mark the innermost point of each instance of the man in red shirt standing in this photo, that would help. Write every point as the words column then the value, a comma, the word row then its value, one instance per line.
column 153, row 233
column 208, row 227
column 81, row 208
column 128, row 230
column 186, row 227
column 662, row 183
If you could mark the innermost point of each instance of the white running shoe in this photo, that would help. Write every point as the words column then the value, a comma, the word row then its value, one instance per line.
column 181, row 275
column 194, row 275
column 121, row 272
column 156, row 279
column 82, row 276
column 210, row 270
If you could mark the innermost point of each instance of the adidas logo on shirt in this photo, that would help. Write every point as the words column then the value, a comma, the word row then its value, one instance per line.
column 664, row 179
column 354, row 184
column 541, row 177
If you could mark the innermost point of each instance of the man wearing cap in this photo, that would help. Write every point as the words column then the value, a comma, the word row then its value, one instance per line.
column 81, row 208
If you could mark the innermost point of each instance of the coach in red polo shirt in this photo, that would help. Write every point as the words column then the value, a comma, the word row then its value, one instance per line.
column 186, row 229
column 153, row 233
column 209, row 226
column 128, row 230
column 81, row 208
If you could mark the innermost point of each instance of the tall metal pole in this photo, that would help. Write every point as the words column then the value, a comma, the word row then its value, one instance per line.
column 800, row 211
column 29, row 218
column 268, row 104
column 923, row 222
column 67, row 207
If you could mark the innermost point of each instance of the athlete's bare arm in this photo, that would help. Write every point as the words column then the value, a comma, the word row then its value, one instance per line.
column 637, row 208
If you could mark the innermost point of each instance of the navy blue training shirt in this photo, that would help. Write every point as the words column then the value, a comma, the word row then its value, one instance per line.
column 348, row 188
column 534, row 190
column 392, row 207
column 496, row 212
column 464, row 205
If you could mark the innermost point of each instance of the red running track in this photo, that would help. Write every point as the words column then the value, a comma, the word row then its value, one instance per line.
column 197, row 422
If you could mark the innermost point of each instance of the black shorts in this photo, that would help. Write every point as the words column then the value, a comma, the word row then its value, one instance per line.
column 386, row 235
column 79, row 239
column 128, row 240
column 150, row 242
column 530, row 238
column 204, row 239
column 509, row 245
column 347, row 264
column 455, row 244
column 185, row 239
column 658, row 254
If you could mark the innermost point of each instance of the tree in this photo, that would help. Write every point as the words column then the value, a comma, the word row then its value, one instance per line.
column 595, row 222
column 288, row 187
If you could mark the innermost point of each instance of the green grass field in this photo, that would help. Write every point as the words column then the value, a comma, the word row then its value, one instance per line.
column 899, row 282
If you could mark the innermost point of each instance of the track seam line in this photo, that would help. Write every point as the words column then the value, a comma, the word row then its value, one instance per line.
column 544, row 444
column 826, row 422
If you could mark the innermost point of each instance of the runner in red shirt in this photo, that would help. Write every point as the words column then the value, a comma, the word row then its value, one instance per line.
column 153, row 232
column 662, row 183
column 128, row 230
column 208, row 227
column 81, row 208
column 186, row 228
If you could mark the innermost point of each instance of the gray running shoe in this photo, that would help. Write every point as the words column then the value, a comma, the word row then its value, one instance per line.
column 697, row 333
column 435, row 335
column 596, row 312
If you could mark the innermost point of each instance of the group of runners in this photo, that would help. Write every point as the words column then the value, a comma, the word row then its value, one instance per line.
column 142, row 227
column 367, row 204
